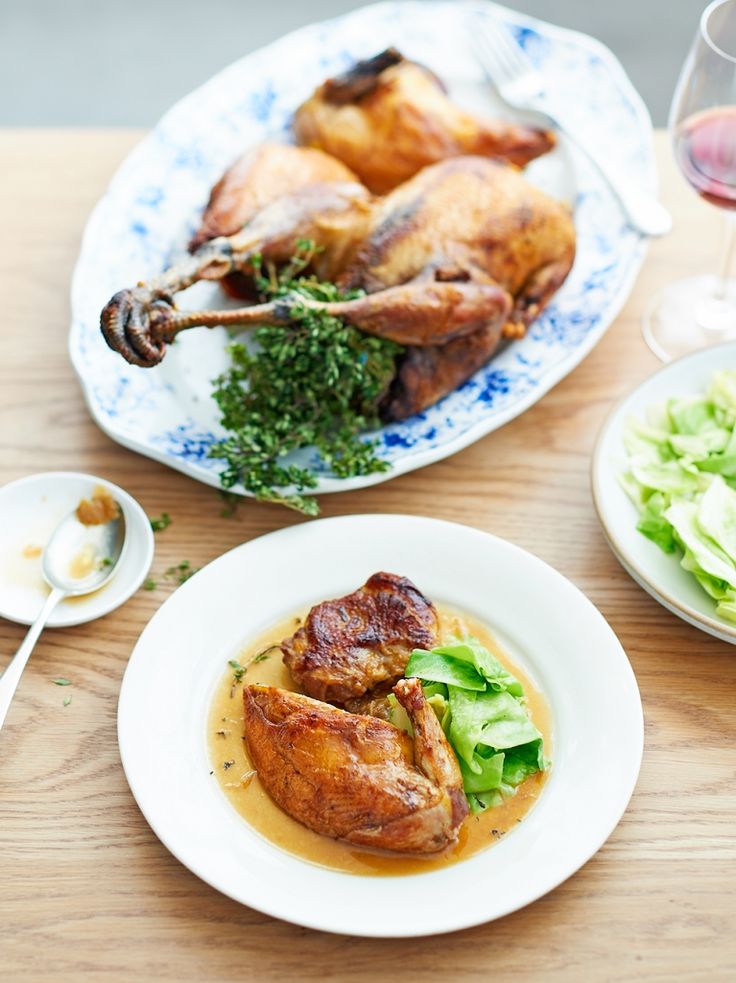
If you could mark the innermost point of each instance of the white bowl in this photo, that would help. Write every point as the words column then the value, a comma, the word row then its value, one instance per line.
column 30, row 510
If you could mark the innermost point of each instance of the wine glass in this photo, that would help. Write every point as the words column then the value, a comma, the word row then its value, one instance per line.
column 699, row 311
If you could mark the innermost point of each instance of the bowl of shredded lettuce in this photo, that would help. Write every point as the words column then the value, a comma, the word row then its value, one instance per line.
column 664, row 485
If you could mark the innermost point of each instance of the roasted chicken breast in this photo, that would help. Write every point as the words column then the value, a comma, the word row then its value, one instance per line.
column 357, row 778
column 349, row 645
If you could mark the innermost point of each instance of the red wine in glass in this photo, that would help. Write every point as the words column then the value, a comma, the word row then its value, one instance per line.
column 705, row 148
column 700, row 310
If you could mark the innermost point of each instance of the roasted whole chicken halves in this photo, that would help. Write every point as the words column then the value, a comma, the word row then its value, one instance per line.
column 461, row 253
column 357, row 778
column 388, row 117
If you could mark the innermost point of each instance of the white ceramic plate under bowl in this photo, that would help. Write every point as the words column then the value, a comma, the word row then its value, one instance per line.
column 30, row 510
column 660, row 574
column 155, row 201
column 547, row 626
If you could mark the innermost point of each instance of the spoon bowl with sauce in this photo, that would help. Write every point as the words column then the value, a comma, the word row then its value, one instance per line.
column 106, row 535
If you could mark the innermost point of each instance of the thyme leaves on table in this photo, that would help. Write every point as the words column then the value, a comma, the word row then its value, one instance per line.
column 316, row 383
column 179, row 573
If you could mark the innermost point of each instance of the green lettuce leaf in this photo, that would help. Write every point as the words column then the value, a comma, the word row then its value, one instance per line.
column 654, row 525
column 706, row 553
column 480, row 707
column 496, row 720
column 717, row 516
column 436, row 668
column 486, row 774
column 722, row 393
column 669, row 476
column 691, row 414
column 521, row 762
column 472, row 651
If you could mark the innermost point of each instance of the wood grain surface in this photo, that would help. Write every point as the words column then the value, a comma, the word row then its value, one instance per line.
column 87, row 892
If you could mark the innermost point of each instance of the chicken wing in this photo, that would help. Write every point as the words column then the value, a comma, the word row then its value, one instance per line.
column 388, row 117
column 348, row 646
column 263, row 174
column 357, row 778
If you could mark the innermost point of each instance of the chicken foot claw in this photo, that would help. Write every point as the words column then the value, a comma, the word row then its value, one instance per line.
column 133, row 322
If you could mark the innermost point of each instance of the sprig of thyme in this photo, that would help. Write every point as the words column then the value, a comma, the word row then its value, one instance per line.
column 316, row 383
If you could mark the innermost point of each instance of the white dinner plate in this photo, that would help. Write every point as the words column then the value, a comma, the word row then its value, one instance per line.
column 544, row 622
column 660, row 574
column 156, row 198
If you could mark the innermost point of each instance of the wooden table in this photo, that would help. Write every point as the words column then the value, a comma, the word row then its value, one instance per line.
column 88, row 892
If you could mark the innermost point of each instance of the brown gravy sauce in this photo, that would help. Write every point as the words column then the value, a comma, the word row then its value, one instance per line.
column 240, row 783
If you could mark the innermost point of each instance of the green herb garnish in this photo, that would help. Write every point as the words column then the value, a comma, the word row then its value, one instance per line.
column 316, row 383
column 149, row 584
column 163, row 522
column 61, row 682
column 67, row 700
column 181, row 572
column 238, row 670
column 231, row 501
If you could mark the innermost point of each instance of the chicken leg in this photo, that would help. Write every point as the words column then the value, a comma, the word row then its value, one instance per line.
column 357, row 778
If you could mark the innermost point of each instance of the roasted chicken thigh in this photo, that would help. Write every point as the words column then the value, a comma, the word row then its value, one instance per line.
column 352, row 644
column 388, row 117
column 357, row 778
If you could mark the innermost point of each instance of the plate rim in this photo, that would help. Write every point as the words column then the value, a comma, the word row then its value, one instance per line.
column 604, row 826
column 483, row 426
column 711, row 625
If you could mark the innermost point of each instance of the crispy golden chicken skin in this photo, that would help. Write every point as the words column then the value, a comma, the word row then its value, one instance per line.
column 263, row 174
column 388, row 117
column 357, row 778
column 469, row 219
column 349, row 645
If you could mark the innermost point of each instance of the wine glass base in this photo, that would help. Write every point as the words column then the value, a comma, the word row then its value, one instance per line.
column 688, row 315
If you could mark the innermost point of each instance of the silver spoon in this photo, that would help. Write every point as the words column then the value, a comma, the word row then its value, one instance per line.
column 77, row 560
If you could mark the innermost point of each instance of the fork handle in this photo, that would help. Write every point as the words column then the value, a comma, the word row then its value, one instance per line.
column 14, row 670
column 642, row 210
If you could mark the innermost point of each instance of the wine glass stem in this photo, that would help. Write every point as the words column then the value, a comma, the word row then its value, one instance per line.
column 729, row 241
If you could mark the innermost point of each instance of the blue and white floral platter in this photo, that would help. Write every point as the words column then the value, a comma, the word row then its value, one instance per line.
column 155, row 199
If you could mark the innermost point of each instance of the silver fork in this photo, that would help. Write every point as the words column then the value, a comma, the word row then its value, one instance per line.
column 521, row 86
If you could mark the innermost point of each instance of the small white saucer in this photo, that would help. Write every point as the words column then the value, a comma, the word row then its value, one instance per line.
column 30, row 510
